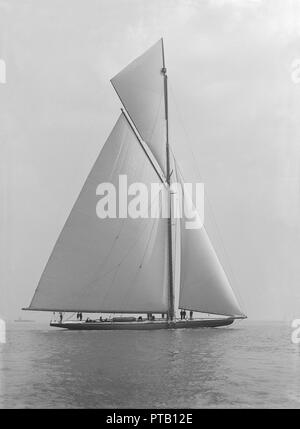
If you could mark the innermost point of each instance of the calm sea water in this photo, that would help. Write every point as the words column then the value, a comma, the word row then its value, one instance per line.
column 247, row 365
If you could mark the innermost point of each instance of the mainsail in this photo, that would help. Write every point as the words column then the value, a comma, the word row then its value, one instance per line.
column 140, row 87
column 108, row 265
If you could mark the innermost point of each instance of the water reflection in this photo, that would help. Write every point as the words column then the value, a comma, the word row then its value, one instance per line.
column 247, row 365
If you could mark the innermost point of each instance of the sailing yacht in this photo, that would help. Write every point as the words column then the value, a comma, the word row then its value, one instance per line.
column 127, row 267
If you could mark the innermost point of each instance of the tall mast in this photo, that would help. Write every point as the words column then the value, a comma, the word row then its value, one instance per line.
column 168, row 173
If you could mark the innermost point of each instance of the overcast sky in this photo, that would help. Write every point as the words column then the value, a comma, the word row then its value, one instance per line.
column 234, row 102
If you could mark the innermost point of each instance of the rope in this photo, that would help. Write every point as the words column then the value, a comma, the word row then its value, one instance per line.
column 156, row 116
